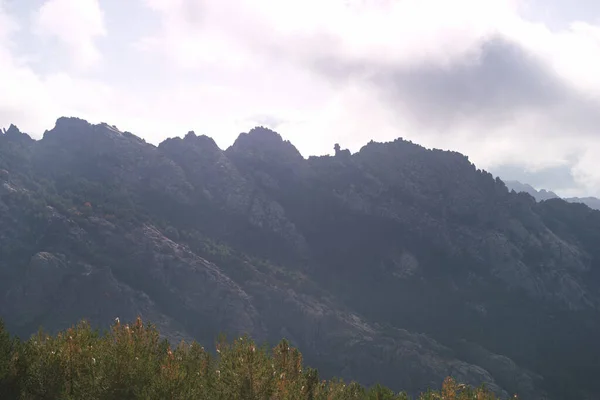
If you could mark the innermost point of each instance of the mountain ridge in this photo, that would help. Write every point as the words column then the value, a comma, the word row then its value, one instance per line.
column 543, row 194
column 394, row 264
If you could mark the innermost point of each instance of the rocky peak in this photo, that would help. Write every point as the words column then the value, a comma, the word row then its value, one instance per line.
column 103, row 153
column 262, row 133
column 69, row 124
column 12, row 130
column 202, row 141
column 265, row 144
column 200, row 145
column 190, row 135
column 72, row 130
column 200, row 157
column 13, row 133
column 263, row 154
column 68, row 131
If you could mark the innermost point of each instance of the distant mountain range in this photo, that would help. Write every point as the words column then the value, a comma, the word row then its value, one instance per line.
column 541, row 195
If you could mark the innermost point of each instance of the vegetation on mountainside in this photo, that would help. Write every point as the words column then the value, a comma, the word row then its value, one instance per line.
column 132, row 362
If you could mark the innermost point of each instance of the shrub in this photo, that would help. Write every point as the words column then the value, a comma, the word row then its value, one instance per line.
column 133, row 362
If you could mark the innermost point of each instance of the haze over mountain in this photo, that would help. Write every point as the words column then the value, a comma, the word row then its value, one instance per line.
column 543, row 194
column 395, row 264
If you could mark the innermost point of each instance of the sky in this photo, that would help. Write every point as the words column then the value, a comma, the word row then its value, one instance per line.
column 513, row 84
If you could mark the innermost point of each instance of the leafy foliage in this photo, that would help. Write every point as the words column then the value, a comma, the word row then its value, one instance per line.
column 133, row 362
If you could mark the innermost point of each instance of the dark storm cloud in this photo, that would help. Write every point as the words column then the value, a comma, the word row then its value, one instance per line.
column 498, row 86
column 502, row 80
column 493, row 86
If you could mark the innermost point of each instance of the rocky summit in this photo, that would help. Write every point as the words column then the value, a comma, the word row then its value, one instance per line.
column 396, row 264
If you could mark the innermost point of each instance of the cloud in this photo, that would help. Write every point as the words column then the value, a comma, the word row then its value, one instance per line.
column 492, row 79
column 497, row 92
column 34, row 99
column 473, row 76
column 559, row 178
column 76, row 24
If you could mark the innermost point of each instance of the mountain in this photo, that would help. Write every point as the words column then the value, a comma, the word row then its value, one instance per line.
column 591, row 202
column 541, row 195
column 396, row 264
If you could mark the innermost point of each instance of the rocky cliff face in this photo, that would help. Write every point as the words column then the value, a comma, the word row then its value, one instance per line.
column 396, row 264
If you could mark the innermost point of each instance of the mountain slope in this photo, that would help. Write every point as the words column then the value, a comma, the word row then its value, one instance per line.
column 395, row 264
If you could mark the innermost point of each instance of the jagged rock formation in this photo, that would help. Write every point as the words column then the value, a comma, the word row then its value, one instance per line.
column 396, row 264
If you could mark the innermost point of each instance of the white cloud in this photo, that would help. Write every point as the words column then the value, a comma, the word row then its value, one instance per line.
column 77, row 24
column 573, row 52
column 33, row 100
column 586, row 171
column 406, row 30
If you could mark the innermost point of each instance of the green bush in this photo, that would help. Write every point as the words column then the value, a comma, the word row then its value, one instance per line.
column 133, row 362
